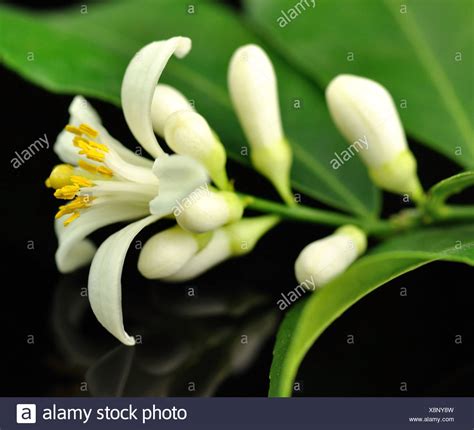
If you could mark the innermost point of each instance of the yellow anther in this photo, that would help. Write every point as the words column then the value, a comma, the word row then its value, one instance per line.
column 103, row 170
column 98, row 145
column 87, row 129
column 93, row 154
column 78, row 203
column 73, row 129
column 68, row 192
column 81, row 181
column 60, row 176
column 74, row 216
column 80, row 142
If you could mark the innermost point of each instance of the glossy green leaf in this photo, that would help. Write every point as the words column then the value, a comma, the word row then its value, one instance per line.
column 87, row 53
column 447, row 187
column 305, row 322
column 420, row 50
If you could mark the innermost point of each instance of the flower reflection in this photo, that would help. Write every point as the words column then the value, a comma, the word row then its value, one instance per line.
column 192, row 338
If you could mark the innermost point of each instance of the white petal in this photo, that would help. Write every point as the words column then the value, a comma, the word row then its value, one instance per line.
column 81, row 112
column 105, row 289
column 178, row 176
column 166, row 101
column 217, row 250
column 74, row 250
column 139, row 83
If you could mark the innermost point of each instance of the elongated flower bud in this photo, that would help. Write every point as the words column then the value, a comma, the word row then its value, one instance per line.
column 188, row 133
column 208, row 210
column 176, row 255
column 166, row 101
column 253, row 90
column 366, row 115
column 324, row 259
column 168, row 251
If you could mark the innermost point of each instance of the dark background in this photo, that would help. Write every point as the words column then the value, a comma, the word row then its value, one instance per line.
column 398, row 339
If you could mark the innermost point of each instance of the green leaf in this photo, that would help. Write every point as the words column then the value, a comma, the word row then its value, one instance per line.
column 71, row 52
column 444, row 189
column 401, row 44
column 305, row 322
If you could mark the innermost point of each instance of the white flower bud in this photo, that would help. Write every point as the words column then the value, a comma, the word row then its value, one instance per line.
column 363, row 110
column 326, row 258
column 253, row 90
column 210, row 210
column 166, row 252
column 234, row 240
column 188, row 133
column 166, row 101
column 217, row 250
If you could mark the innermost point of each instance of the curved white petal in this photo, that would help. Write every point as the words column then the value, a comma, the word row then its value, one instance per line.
column 81, row 112
column 138, row 87
column 74, row 250
column 178, row 176
column 105, row 289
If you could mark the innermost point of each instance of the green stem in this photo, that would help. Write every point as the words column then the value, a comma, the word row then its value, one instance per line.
column 454, row 213
column 319, row 216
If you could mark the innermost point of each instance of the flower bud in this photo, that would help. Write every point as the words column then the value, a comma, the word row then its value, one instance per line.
column 253, row 90
column 326, row 258
column 208, row 210
column 363, row 110
column 234, row 240
column 188, row 133
column 168, row 251
column 166, row 101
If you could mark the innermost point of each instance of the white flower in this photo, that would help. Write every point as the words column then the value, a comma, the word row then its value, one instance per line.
column 188, row 133
column 176, row 255
column 209, row 210
column 324, row 259
column 253, row 90
column 107, row 183
column 364, row 109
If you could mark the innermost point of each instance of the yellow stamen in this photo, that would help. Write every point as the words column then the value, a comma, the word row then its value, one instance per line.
column 98, row 145
column 81, row 181
column 80, row 142
column 68, row 192
column 103, row 170
column 87, row 129
column 93, row 154
column 60, row 176
column 74, row 216
column 78, row 203
column 73, row 129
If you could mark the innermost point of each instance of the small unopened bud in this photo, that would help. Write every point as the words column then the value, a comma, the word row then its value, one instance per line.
column 326, row 258
column 234, row 240
column 188, row 133
column 166, row 101
column 168, row 251
column 365, row 114
column 209, row 210
column 253, row 90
